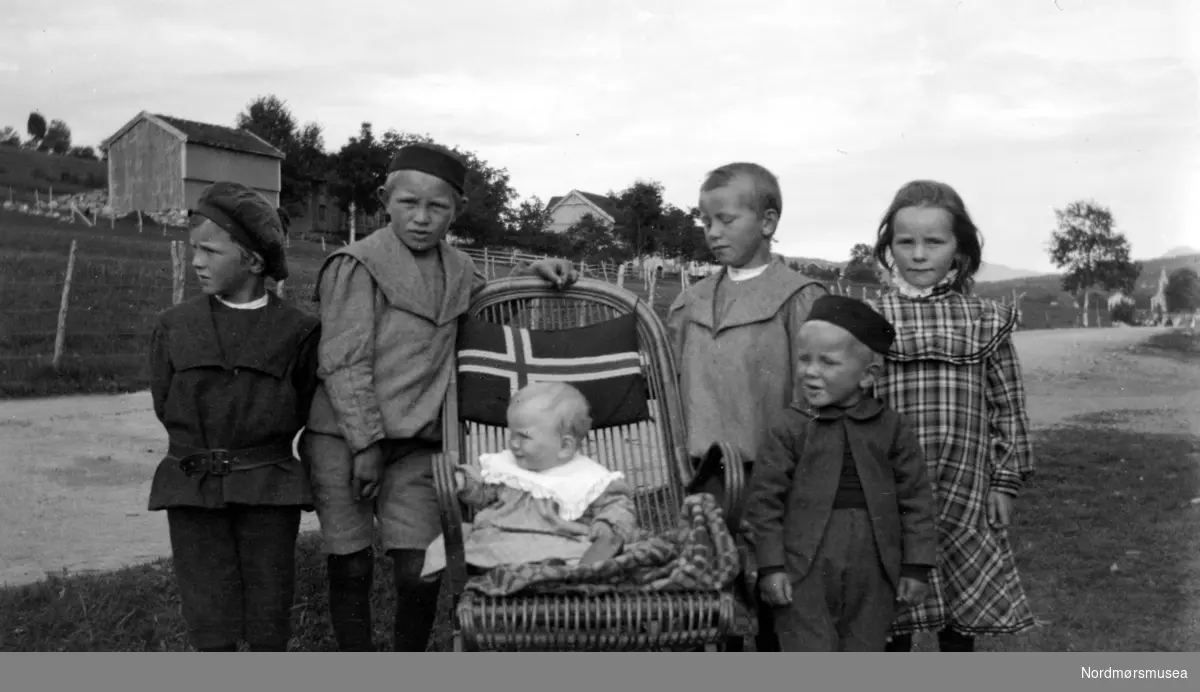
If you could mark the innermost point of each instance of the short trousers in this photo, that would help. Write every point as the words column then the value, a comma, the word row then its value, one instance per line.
column 406, row 507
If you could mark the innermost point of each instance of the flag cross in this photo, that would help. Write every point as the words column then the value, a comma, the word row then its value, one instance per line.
column 520, row 366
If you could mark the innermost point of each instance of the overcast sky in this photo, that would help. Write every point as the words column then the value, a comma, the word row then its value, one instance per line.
column 1022, row 105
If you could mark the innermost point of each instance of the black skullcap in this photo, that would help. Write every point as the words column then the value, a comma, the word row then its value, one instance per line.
column 856, row 317
column 250, row 219
column 435, row 162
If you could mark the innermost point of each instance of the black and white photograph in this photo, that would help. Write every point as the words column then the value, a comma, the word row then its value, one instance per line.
column 484, row 326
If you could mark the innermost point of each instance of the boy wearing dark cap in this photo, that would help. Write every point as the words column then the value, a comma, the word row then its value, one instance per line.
column 840, row 503
column 390, row 305
column 233, row 372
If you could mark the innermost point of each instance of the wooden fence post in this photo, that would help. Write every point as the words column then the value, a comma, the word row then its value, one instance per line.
column 174, row 273
column 684, row 281
column 139, row 213
column 177, row 258
column 60, row 335
column 621, row 275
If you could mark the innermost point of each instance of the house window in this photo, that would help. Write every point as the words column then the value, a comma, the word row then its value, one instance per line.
column 321, row 213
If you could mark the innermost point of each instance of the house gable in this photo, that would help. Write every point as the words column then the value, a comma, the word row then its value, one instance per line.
column 569, row 209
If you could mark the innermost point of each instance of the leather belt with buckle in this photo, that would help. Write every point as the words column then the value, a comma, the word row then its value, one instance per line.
column 222, row 462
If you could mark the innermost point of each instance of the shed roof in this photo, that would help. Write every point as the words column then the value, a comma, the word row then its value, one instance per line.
column 204, row 134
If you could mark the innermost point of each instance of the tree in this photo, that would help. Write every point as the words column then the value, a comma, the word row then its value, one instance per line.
column 861, row 254
column 270, row 118
column 527, row 223
column 305, row 161
column 592, row 239
column 358, row 171
column 83, row 153
column 36, row 128
column 680, row 235
column 640, row 208
column 862, row 267
column 57, row 139
column 9, row 137
column 1093, row 254
column 1183, row 290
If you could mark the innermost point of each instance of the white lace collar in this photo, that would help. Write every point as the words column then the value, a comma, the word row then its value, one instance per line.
column 252, row 305
column 574, row 486
column 909, row 291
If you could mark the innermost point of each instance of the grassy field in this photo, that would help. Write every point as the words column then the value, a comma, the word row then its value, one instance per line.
column 122, row 280
column 1104, row 538
column 24, row 172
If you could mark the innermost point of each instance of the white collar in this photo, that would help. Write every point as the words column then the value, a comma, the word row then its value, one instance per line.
column 574, row 486
column 737, row 274
column 909, row 291
column 252, row 305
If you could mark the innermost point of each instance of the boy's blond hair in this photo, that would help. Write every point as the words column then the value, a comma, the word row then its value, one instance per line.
column 559, row 399
column 767, row 194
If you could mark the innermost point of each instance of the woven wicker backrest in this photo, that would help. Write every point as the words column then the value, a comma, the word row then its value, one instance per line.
column 650, row 453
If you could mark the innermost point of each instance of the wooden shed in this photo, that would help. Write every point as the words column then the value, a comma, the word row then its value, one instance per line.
column 159, row 163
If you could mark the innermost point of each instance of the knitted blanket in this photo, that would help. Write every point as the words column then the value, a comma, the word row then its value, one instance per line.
column 699, row 554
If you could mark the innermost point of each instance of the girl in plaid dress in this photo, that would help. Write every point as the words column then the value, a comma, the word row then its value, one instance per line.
column 953, row 372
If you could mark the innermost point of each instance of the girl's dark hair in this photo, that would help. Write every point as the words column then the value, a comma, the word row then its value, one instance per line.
column 930, row 193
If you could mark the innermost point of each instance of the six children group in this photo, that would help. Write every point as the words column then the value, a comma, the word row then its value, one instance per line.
column 888, row 440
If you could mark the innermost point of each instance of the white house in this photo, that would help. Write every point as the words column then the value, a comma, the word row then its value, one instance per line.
column 569, row 209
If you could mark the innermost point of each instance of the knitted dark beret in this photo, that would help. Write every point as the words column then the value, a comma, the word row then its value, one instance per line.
column 250, row 219
column 856, row 317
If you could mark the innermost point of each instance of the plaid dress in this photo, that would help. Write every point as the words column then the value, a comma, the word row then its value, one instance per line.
column 954, row 374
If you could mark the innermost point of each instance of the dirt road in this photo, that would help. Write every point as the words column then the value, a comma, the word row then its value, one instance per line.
column 75, row 471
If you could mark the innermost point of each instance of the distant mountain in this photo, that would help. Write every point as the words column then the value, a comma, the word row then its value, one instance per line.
column 999, row 272
column 998, row 281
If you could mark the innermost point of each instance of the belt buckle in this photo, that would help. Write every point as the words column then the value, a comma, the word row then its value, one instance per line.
column 220, row 463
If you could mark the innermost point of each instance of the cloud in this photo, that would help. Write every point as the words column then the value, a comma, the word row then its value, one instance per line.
column 1023, row 104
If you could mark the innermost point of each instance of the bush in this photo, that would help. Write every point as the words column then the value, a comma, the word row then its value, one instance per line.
column 1123, row 312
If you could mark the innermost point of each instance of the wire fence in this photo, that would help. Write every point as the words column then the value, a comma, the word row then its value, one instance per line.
column 88, row 317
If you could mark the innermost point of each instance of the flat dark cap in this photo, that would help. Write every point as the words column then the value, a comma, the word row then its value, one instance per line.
column 434, row 161
column 856, row 317
column 250, row 219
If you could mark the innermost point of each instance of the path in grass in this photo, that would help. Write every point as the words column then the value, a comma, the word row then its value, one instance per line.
column 76, row 471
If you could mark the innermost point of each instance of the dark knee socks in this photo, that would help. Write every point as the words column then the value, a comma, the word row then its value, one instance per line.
column 350, row 580
column 948, row 640
column 416, row 601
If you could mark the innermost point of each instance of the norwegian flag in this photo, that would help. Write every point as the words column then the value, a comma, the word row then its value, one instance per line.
column 601, row 360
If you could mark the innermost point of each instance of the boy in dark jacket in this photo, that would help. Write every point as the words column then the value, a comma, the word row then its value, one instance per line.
column 840, row 504
column 233, row 373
